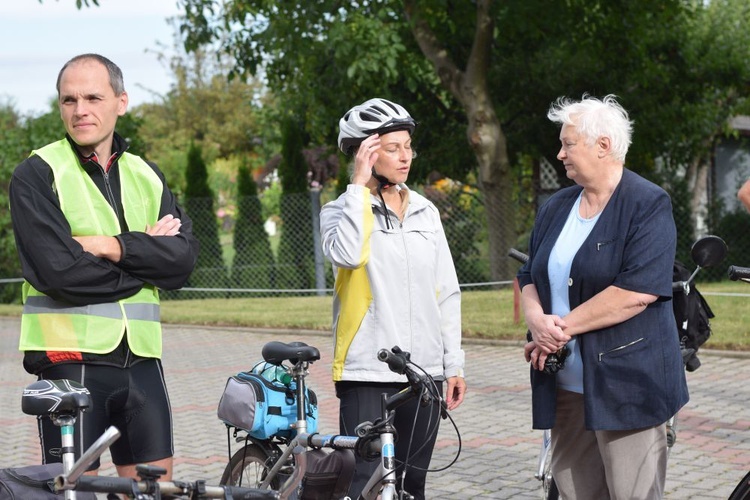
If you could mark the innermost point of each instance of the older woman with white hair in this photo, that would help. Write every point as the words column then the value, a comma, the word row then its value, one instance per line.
column 596, row 293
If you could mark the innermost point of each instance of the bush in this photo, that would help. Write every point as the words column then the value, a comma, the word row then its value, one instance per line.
column 253, row 263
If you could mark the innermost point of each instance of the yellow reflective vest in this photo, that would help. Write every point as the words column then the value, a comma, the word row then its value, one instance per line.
column 51, row 325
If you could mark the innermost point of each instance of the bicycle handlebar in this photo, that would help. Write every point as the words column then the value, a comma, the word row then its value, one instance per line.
column 79, row 467
column 738, row 273
column 518, row 255
column 396, row 360
column 195, row 489
column 679, row 285
column 419, row 385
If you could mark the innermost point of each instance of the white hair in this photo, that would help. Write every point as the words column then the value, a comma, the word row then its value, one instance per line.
column 594, row 118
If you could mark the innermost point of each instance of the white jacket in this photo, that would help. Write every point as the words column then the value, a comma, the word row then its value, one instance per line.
column 393, row 287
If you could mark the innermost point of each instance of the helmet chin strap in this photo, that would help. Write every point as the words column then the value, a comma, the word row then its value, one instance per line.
column 383, row 183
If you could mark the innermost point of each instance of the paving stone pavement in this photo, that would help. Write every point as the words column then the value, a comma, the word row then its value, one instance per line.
column 498, row 447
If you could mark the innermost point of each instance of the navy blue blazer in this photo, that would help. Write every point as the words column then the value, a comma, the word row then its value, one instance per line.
column 633, row 376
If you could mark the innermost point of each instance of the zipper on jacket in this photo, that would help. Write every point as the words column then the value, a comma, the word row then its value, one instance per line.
column 408, row 280
column 126, row 362
column 602, row 354
column 110, row 194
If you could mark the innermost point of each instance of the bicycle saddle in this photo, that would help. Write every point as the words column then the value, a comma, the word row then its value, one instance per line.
column 277, row 352
column 63, row 396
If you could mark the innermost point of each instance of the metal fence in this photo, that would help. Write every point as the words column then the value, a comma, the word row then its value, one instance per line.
column 281, row 254
column 247, row 254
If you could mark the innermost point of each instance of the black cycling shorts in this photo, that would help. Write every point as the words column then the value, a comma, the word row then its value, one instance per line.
column 133, row 399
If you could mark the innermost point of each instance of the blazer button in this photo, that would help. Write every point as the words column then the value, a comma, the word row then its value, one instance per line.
column 570, row 281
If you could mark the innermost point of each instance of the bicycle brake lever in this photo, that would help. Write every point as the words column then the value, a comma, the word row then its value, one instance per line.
column 363, row 429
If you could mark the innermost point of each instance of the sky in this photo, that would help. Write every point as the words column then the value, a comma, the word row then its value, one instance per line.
column 36, row 39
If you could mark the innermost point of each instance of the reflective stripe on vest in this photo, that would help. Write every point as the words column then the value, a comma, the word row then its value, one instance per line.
column 51, row 325
column 46, row 305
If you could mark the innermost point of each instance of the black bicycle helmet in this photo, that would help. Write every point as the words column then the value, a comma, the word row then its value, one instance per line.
column 376, row 116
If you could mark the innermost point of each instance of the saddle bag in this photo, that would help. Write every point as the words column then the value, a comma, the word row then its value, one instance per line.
column 328, row 475
column 265, row 408
column 693, row 316
column 35, row 482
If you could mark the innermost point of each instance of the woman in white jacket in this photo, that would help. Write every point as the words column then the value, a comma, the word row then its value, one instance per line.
column 395, row 285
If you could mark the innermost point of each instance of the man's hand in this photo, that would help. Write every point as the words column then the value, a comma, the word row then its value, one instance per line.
column 454, row 394
column 166, row 226
column 105, row 247
column 108, row 247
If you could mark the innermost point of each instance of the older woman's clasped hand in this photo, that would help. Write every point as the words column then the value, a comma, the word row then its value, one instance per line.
column 548, row 336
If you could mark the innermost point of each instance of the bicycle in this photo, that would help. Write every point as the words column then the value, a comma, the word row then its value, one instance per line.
column 64, row 400
column 707, row 251
column 265, row 462
column 742, row 490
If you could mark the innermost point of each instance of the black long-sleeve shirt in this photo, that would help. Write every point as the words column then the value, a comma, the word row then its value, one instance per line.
column 56, row 264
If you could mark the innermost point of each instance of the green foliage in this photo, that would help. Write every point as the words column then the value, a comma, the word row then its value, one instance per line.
column 321, row 58
column 83, row 3
column 11, row 145
column 343, row 179
column 253, row 263
column 681, row 67
column 271, row 200
column 196, row 175
column 293, row 167
column 462, row 216
column 683, row 221
column 18, row 137
column 128, row 126
column 210, row 270
column 226, row 118
column 40, row 131
column 295, row 261
column 734, row 229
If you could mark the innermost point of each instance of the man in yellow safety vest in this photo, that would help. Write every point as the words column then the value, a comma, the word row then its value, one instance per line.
column 98, row 233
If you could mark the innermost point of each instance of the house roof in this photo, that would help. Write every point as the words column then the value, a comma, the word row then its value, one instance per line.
column 741, row 123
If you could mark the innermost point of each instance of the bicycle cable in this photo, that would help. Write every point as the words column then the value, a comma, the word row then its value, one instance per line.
column 436, row 395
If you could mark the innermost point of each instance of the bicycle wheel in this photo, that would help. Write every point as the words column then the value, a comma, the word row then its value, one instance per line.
column 248, row 468
column 549, row 487
column 742, row 491
column 544, row 473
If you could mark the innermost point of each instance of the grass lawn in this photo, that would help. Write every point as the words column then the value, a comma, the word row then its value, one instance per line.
column 485, row 314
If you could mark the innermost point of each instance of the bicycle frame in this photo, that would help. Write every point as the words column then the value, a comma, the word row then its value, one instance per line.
column 63, row 400
column 383, row 480
column 742, row 490
column 541, row 473
column 371, row 439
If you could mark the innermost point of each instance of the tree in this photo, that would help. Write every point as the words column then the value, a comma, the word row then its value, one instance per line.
column 226, row 118
column 12, row 152
column 296, row 261
column 479, row 76
column 489, row 68
column 716, row 55
column 359, row 50
column 210, row 270
column 253, row 259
